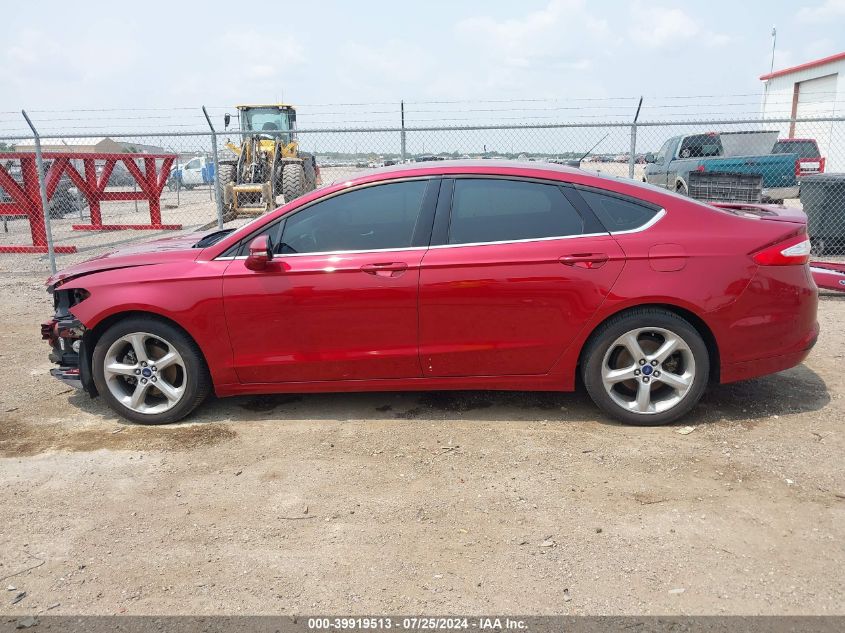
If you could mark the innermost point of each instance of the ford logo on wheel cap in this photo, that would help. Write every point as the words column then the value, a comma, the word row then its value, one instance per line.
column 147, row 372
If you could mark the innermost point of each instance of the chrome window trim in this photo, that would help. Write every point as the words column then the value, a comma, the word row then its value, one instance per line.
column 528, row 239
column 657, row 217
column 318, row 253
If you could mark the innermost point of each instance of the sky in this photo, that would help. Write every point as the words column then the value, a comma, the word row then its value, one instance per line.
column 451, row 61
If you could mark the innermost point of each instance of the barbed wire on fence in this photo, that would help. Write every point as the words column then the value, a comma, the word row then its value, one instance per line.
column 146, row 181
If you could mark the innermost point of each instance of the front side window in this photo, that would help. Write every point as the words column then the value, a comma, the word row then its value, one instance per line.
column 618, row 214
column 492, row 210
column 193, row 164
column 664, row 152
column 374, row 218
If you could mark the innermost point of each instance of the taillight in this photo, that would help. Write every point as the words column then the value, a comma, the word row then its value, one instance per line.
column 790, row 252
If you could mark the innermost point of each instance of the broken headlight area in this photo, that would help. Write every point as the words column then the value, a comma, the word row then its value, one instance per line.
column 66, row 336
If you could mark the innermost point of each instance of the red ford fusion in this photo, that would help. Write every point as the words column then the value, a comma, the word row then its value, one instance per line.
column 447, row 275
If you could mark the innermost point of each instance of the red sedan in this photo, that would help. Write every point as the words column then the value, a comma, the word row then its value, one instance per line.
column 447, row 275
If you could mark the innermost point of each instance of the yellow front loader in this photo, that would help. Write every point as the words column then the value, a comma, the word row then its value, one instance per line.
column 268, row 162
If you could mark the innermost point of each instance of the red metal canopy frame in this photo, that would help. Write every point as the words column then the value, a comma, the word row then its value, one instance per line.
column 26, row 196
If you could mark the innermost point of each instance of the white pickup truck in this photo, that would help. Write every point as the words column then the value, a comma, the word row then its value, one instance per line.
column 197, row 171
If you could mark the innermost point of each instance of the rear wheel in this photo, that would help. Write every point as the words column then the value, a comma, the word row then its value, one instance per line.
column 646, row 367
column 310, row 172
column 293, row 181
column 150, row 371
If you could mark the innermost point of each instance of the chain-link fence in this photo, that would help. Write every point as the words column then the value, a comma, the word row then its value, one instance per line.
column 106, row 190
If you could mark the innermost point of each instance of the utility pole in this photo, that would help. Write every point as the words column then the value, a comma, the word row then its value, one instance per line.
column 402, row 134
column 771, row 69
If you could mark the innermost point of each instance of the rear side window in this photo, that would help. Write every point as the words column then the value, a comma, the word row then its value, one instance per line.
column 700, row 145
column 618, row 214
column 493, row 210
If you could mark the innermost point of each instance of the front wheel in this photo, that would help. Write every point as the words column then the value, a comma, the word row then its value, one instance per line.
column 149, row 371
column 293, row 181
column 646, row 367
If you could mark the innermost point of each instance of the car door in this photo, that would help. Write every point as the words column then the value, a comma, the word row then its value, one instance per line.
column 513, row 274
column 192, row 172
column 339, row 299
column 656, row 173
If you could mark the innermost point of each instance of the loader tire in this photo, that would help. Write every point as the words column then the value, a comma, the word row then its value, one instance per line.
column 310, row 172
column 293, row 181
column 227, row 174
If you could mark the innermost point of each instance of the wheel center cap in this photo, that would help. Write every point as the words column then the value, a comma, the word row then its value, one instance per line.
column 147, row 372
column 647, row 369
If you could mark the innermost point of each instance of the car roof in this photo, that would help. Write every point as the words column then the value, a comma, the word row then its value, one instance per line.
column 530, row 169
column 471, row 166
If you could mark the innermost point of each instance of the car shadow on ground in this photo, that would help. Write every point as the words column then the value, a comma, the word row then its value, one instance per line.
column 797, row 390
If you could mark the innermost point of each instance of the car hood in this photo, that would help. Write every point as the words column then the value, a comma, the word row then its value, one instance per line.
column 160, row 251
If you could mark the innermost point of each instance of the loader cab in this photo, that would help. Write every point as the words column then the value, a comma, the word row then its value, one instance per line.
column 270, row 119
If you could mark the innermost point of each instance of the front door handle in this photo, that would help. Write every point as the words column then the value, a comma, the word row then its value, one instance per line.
column 385, row 269
column 585, row 260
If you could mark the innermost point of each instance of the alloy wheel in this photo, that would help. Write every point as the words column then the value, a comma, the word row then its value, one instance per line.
column 648, row 370
column 145, row 373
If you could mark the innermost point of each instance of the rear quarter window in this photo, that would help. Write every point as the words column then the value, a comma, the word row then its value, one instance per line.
column 617, row 213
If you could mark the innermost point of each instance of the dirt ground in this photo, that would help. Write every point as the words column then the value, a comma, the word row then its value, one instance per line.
column 441, row 503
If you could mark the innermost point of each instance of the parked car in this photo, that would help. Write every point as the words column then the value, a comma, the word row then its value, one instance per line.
column 809, row 159
column 119, row 176
column 197, row 171
column 447, row 275
column 702, row 157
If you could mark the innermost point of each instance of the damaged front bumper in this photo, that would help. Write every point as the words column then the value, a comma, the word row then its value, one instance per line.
column 68, row 375
column 66, row 336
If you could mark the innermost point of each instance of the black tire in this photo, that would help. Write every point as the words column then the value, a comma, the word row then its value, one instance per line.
column 227, row 174
column 601, row 347
column 293, row 181
column 681, row 188
column 309, row 164
column 195, row 377
column 278, row 167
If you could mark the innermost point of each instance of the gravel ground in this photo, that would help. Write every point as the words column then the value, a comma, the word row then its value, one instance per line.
column 469, row 502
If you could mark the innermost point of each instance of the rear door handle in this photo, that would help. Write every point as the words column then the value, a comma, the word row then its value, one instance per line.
column 385, row 269
column 585, row 260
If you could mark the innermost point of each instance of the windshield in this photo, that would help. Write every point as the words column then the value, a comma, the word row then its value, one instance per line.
column 265, row 120
column 804, row 149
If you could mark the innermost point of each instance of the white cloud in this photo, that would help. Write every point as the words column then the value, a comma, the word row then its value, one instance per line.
column 828, row 10
column 558, row 32
column 653, row 26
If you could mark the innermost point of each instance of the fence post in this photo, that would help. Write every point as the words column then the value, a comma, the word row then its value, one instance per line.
column 402, row 133
column 42, row 185
column 217, row 195
column 632, row 155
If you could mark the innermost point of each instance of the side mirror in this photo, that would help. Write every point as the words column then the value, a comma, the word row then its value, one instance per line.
column 260, row 253
column 227, row 119
column 649, row 158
